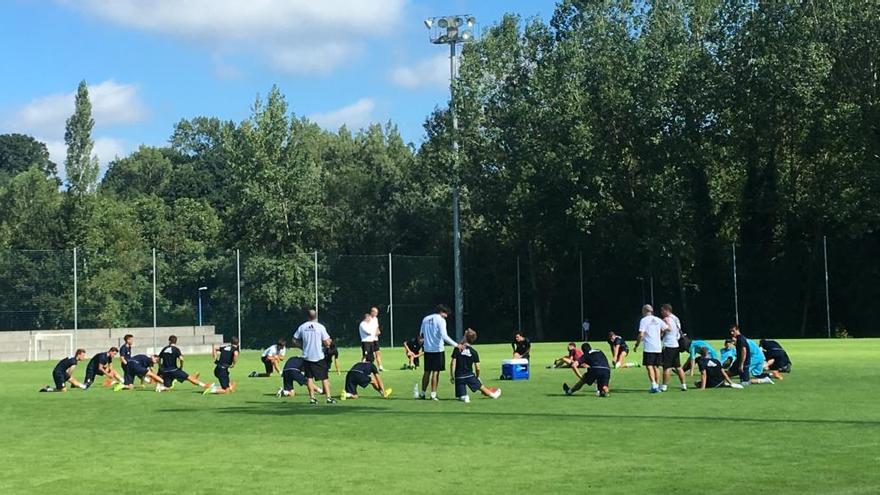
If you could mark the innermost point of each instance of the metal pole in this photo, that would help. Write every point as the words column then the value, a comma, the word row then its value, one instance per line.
column 518, row 299
column 75, row 304
column 581, row 277
column 652, row 290
column 391, row 299
column 456, row 227
column 827, row 296
column 316, row 282
column 735, row 287
column 238, row 291
column 154, row 301
column 200, row 308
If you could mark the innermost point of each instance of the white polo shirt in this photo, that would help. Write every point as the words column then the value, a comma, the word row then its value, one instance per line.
column 273, row 350
column 367, row 332
column 670, row 338
column 649, row 328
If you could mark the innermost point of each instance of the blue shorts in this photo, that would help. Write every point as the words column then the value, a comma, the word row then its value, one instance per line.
column 135, row 369
column 354, row 379
column 291, row 375
column 168, row 377
column 222, row 375
column 60, row 378
column 463, row 383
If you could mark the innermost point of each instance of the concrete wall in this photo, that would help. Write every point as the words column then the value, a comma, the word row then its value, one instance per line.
column 21, row 345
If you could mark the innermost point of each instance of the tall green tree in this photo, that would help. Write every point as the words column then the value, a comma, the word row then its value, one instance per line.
column 81, row 166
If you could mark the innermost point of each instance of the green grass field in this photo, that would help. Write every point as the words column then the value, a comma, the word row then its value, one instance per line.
column 818, row 431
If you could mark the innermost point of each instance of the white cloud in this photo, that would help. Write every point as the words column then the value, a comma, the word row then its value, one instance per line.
column 299, row 36
column 105, row 148
column 429, row 72
column 358, row 114
column 112, row 103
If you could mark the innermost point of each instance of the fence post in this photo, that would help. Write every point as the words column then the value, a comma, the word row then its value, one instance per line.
column 827, row 296
column 391, row 299
column 75, row 304
column 735, row 287
column 238, row 291
column 316, row 282
column 154, row 301
column 518, row 299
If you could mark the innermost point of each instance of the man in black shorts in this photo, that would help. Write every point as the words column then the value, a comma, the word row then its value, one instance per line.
column 712, row 374
column 139, row 366
column 465, row 370
column 171, row 367
column 63, row 373
column 225, row 357
column 775, row 357
column 361, row 375
column 413, row 349
column 522, row 346
column 100, row 365
column 433, row 331
column 292, row 372
column 312, row 337
column 650, row 328
column 599, row 372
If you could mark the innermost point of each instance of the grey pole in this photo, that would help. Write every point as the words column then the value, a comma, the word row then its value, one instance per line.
column 456, row 226
column 154, row 301
column 735, row 288
column 652, row 290
column 827, row 296
column 391, row 299
column 75, row 303
column 316, row 282
column 518, row 299
column 581, row 278
column 238, row 291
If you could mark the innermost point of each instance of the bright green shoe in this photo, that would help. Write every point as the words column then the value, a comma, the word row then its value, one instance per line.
column 118, row 387
column 388, row 392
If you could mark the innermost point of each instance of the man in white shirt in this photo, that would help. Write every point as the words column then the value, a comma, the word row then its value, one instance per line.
column 671, row 352
column 377, row 331
column 368, row 338
column 271, row 359
column 312, row 337
column 650, row 328
column 433, row 332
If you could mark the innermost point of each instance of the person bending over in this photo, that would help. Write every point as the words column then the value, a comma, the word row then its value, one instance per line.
column 361, row 375
column 599, row 372
column 521, row 345
column 777, row 361
column 464, row 370
column 101, row 365
column 63, row 373
column 171, row 367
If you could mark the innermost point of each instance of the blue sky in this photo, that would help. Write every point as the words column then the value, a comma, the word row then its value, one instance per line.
column 150, row 63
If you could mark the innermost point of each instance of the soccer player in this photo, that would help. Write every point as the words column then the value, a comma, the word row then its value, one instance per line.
column 139, row 366
column 619, row 351
column 599, row 372
column 377, row 331
column 670, row 352
column 225, row 357
column 63, row 373
column 361, row 375
column 728, row 354
column 749, row 364
column 694, row 354
column 777, row 361
column 414, row 349
column 171, row 367
column 650, row 328
column 570, row 359
column 712, row 374
column 331, row 355
column 312, row 337
column 292, row 372
column 368, row 339
column 522, row 346
column 125, row 356
column 271, row 359
column 100, row 365
column 464, row 370
column 433, row 332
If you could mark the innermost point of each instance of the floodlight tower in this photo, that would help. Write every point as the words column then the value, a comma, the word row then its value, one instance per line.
column 452, row 30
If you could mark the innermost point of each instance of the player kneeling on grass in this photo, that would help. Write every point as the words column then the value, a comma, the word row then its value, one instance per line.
column 712, row 374
column 776, row 359
column 464, row 370
column 599, row 372
column 570, row 359
column 271, row 359
column 139, row 366
column 225, row 357
column 414, row 349
column 619, row 351
column 361, row 375
column 63, row 373
column 292, row 372
column 171, row 367
column 100, row 365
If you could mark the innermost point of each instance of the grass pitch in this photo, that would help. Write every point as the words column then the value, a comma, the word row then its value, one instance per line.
column 818, row 431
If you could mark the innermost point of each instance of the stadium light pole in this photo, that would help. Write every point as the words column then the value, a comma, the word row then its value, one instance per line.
column 452, row 30
column 200, row 304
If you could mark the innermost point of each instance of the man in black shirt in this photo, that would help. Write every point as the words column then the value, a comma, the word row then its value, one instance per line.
column 777, row 361
column 619, row 351
column 743, row 356
column 521, row 346
column 225, row 357
column 139, row 366
column 712, row 374
column 292, row 372
column 464, row 370
column 63, row 373
column 413, row 349
column 171, row 367
column 125, row 357
column 331, row 356
column 361, row 375
column 599, row 372
column 101, row 365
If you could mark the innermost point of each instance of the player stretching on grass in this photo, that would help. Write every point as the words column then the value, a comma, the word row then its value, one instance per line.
column 749, row 362
column 777, row 361
column 712, row 375
column 414, row 348
column 570, row 359
column 171, row 367
column 100, row 365
column 139, row 366
column 225, row 357
column 649, row 331
column 619, row 351
column 599, row 372
column 464, row 370
column 433, row 331
column 521, row 345
column 292, row 372
column 271, row 359
column 63, row 373
column 311, row 337
column 361, row 375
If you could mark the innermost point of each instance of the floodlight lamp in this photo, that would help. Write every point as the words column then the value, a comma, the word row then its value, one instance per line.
column 456, row 21
column 429, row 22
column 203, row 288
column 471, row 21
column 443, row 23
column 466, row 35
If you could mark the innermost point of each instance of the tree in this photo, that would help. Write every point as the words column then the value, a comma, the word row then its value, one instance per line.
column 19, row 152
column 81, row 166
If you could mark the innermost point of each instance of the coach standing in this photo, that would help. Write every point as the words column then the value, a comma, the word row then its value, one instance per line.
column 312, row 337
column 433, row 331
column 650, row 328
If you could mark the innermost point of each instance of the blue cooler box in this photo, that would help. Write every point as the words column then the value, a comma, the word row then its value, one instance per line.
column 515, row 369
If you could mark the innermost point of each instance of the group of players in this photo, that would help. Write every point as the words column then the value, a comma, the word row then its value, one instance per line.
column 664, row 342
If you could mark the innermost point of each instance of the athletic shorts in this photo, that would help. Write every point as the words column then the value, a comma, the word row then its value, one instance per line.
column 60, row 378
column 267, row 363
column 670, row 357
column 222, row 375
column 127, row 376
column 463, row 383
column 291, row 375
column 781, row 365
column 652, row 359
column 368, row 351
column 168, row 377
column 600, row 376
column 134, row 370
column 354, row 379
column 435, row 361
column 316, row 370
column 91, row 372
